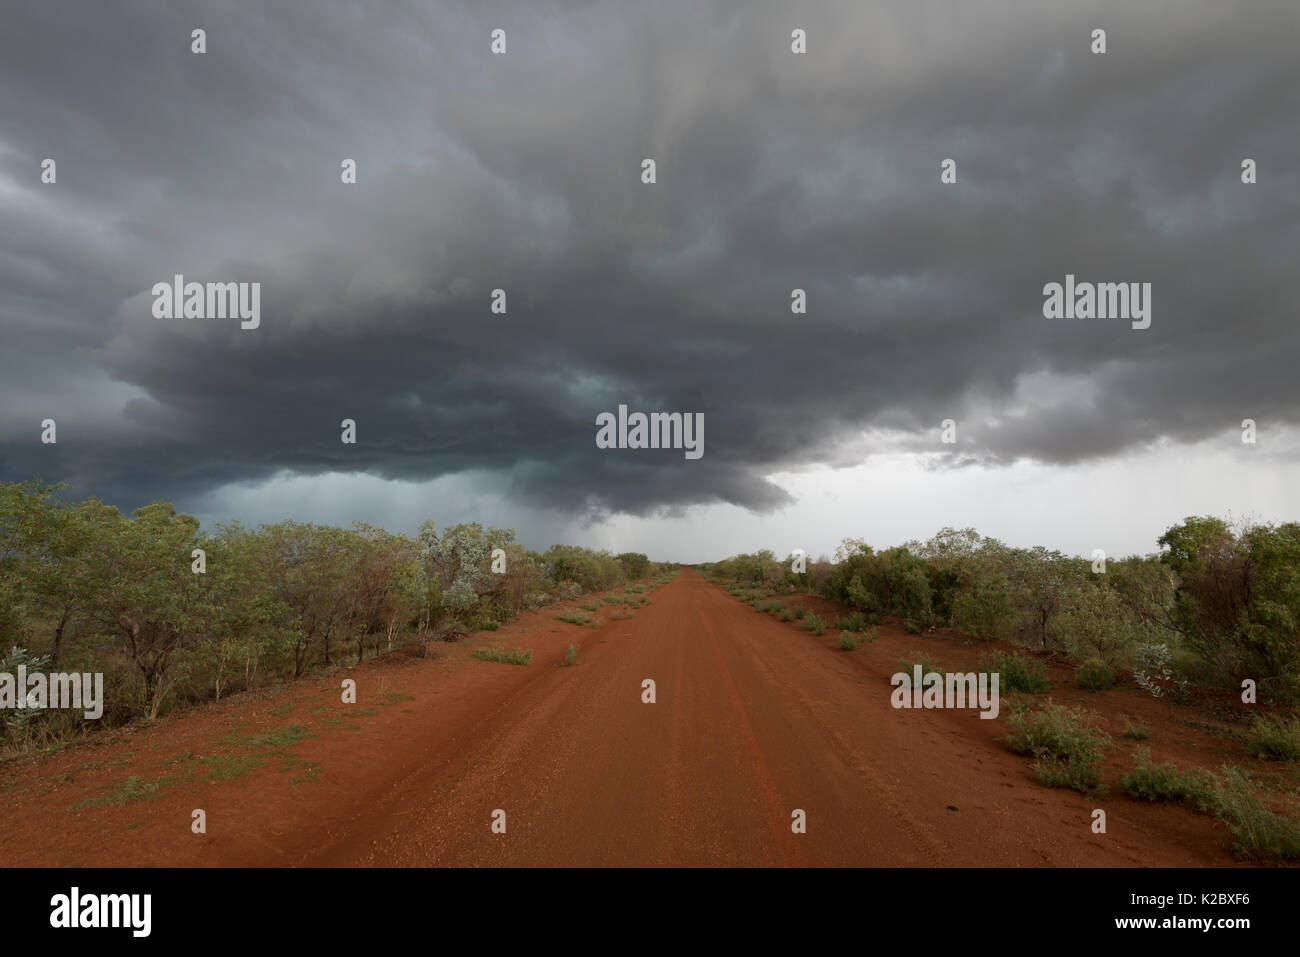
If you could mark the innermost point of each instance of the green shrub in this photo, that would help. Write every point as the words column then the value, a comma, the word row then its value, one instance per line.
column 1165, row 782
column 1275, row 738
column 772, row 607
column 1094, row 675
column 856, row 621
column 912, row 628
column 1017, row 672
column 908, row 666
column 799, row 613
column 574, row 618
column 814, row 624
column 984, row 607
column 571, row 656
column 1066, row 746
column 873, row 618
column 848, row 641
column 515, row 656
column 1257, row 832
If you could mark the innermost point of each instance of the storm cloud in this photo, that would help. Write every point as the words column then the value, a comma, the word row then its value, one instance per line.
column 522, row 171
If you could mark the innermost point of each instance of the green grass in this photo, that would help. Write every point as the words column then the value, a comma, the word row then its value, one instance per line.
column 283, row 737
column 773, row 607
column 849, row 641
column 1275, row 738
column 814, row 624
column 590, row 606
column 253, row 751
column 570, row 656
column 1258, row 833
column 132, row 789
column 574, row 618
column 227, row 767
column 1135, row 732
column 799, row 613
column 1017, row 673
column 1065, row 744
column 513, row 656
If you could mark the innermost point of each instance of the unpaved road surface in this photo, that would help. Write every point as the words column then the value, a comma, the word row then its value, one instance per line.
column 753, row 720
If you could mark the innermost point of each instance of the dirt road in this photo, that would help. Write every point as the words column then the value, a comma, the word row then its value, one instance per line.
column 753, row 720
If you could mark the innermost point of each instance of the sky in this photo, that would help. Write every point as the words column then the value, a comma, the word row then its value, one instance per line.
column 774, row 171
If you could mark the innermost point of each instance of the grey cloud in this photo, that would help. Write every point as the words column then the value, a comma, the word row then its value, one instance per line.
column 819, row 172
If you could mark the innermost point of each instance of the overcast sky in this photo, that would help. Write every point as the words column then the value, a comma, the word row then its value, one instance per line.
column 775, row 171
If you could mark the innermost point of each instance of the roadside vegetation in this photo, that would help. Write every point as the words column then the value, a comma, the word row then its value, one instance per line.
column 510, row 656
column 1065, row 743
column 174, row 614
column 1213, row 613
column 1217, row 605
column 1258, row 833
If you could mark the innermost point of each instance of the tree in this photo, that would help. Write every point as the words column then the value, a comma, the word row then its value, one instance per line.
column 459, row 561
column 1039, row 578
column 147, row 596
column 634, row 564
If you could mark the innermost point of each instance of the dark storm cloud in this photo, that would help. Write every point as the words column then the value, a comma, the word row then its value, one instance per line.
column 522, row 171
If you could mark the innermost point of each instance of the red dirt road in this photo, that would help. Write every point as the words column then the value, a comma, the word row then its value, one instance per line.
column 753, row 719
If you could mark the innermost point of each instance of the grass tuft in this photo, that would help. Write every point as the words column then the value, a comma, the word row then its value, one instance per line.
column 513, row 656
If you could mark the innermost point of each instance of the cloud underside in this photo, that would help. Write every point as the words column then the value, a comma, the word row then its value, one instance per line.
column 523, row 172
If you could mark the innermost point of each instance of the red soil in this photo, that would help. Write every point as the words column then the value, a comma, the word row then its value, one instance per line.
column 754, row 718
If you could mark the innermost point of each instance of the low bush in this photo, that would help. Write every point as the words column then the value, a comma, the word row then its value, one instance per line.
column 1094, row 675
column 1066, row 746
column 513, row 656
column 1165, row 782
column 1275, row 738
column 1018, row 673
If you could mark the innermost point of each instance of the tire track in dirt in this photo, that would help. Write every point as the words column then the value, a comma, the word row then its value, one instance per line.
column 753, row 719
